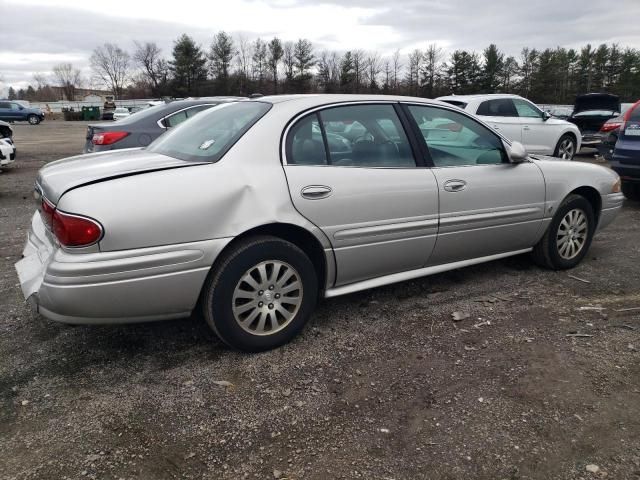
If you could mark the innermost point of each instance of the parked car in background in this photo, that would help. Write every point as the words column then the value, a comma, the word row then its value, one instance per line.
column 520, row 120
column 560, row 112
column 12, row 111
column 609, row 132
column 7, row 147
column 264, row 218
column 141, row 129
column 5, row 130
column 626, row 153
column 590, row 112
column 120, row 113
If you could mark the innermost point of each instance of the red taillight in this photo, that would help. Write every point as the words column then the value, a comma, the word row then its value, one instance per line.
column 107, row 138
column 75, row 230
column 609, row 127
column 46, row 211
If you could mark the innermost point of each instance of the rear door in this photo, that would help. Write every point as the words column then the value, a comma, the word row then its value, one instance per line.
column 351, row 170
column 488, row 206
column 502, row 115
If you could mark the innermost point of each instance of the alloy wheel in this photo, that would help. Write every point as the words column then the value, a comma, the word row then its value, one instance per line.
column 267, row 297
column 572, row 234
column 567, row 149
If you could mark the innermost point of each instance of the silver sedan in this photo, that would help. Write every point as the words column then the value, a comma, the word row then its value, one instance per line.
column 252, row 211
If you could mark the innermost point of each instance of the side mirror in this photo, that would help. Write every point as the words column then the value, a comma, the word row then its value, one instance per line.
column 546, row 116
column 20, row 107
column 516, row 152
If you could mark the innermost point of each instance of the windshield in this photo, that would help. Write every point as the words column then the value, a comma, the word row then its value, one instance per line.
column 207, row 136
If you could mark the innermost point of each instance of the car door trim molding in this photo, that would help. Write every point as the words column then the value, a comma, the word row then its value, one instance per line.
column 413, row 274
column 452, row 220
column 387, row 229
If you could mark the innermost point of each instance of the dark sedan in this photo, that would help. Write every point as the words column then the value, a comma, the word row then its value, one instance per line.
column 626, row 154
column 590, row 112
column 141, row 128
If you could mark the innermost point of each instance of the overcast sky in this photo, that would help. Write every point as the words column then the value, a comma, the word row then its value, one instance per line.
column 37, row 34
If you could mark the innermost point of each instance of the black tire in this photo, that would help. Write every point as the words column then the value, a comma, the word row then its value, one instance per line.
column 33, row 119
column 217, row 299
column 562, row 147
column 547, row 252
column 631, row 190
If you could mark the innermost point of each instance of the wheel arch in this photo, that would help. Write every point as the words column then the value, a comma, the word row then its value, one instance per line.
column 299, row 236
column 592, row 196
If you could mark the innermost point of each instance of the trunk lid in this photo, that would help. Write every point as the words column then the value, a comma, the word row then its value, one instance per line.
column 56, row 178
column 597, row 101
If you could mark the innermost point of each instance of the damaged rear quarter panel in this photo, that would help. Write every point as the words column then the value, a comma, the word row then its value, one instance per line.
column 245, row 189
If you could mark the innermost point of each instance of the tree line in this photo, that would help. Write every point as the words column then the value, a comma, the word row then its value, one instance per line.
column 241, row 67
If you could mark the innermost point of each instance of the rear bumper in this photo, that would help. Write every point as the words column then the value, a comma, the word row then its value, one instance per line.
column 592, row 140
column 113, row 287
column 611, row 206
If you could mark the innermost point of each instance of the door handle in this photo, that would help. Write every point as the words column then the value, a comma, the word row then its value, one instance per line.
column 455, row 185
column 315, row 192
column 526, row 127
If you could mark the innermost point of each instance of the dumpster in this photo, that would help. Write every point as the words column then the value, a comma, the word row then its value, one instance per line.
column 91, row 113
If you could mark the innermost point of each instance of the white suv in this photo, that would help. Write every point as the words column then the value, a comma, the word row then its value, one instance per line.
column 519, row 119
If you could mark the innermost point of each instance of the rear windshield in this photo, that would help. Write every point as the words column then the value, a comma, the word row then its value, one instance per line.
column 207, row 136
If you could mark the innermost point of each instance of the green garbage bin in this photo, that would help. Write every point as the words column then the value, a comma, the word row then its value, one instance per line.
column 91, row 113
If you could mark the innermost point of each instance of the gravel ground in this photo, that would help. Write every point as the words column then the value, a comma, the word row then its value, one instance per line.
column 381, row 385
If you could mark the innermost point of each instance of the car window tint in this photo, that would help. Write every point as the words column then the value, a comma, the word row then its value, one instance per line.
column 526, row 110
column 366, row 136
column 454, row 139
column 4, row 105
column 305, row 145
column 500, row 107
column 175, row 119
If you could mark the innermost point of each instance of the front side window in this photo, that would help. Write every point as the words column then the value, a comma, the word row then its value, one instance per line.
column 500, row 107
column 454, row 139
column 355, row 136
column 208, row 136
column 15, row 107
column 526, row 110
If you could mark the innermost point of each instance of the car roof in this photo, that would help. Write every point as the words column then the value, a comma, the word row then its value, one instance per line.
column 479, row 96
column 311, row 100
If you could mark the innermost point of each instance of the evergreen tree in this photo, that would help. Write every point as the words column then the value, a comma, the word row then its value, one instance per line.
column 187, row 66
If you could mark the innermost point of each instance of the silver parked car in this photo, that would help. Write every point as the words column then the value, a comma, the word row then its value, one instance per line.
column 253, row 210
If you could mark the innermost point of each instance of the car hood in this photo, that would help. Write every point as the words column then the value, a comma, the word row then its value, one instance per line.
column 596, row 101
column 56, row 178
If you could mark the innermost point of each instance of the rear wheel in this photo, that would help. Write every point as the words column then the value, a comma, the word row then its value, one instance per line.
column 33, row 119
column 566, row 147
column 631, row 190
column 261, row 295
column 568, row 238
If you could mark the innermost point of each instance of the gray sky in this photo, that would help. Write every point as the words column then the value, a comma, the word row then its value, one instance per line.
column 37, row 34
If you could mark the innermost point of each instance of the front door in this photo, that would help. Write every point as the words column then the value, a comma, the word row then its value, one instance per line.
column 352, row 172
column 538, row 135
column 487, row 205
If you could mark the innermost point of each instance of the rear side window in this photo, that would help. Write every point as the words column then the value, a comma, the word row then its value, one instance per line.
column 5, row 105
column 500, row 107
column 351, row 136
column 208, row 136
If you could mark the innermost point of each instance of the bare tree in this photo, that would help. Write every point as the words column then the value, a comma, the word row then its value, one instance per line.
column 67, row 78
column 289, row 61
column 373, row 67
column 397, row 66
column 40, row 79
column 431, row 69
column 148, row 56
column 413, row 74
column 359, row 69
column 111, row 65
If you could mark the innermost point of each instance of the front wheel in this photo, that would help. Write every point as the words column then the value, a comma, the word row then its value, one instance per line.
column 261, row 295
column 568, row 238
column 566, row 147
column 33, row 119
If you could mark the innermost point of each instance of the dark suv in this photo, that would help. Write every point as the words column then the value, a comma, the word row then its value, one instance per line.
column 626, row 154
column 11, row 111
